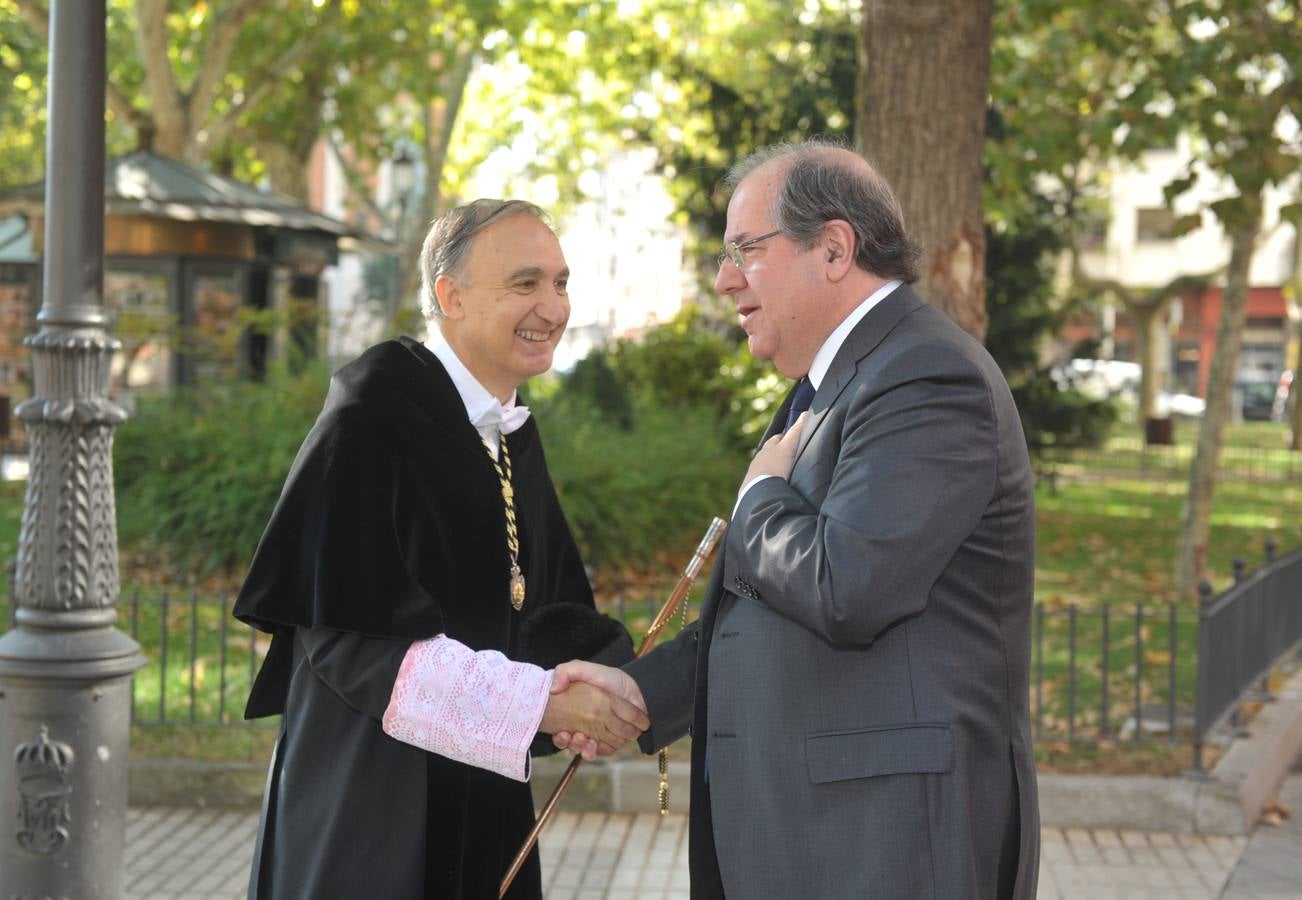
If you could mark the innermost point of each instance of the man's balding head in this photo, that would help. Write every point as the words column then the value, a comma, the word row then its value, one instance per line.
column 818, row 182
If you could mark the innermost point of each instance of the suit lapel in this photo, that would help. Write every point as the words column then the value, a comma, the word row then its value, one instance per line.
column 861, row 341
column 779, row 418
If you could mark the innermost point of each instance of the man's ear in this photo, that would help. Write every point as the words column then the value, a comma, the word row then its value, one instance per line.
column 448, row 297
column 838, row 247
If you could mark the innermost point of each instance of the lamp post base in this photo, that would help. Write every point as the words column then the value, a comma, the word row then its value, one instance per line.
column 65, row 709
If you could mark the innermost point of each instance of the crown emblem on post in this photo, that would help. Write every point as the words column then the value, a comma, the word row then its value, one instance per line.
column 43, row 767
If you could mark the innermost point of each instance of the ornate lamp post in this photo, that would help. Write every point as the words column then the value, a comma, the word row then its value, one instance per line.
column 402, row 180
column 65, row 671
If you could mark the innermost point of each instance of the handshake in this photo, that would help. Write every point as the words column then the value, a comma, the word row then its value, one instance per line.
column 593, row 710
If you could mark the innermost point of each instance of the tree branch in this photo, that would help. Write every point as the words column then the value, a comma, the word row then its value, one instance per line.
column 227, row 23
column 37, row 16
column 267, row 80
column 439, row 137
column 1129, row 297
column 160, row 79
column 357, row 186
column 1176, row 286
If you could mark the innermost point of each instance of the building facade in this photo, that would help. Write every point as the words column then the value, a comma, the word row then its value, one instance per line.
column 1136, row 243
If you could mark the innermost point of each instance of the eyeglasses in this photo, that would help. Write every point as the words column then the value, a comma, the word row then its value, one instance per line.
column 732, row 249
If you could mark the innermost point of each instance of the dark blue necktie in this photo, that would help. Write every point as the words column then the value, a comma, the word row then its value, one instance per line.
column 801, row 397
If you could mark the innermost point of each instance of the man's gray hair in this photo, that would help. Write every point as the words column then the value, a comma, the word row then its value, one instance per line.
column 820, row 185
column 447, row 245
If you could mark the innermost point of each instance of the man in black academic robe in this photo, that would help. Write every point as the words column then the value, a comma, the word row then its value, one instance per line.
column 391, row 529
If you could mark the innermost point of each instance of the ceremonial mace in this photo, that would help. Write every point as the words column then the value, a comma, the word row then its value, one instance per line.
column 676, row 597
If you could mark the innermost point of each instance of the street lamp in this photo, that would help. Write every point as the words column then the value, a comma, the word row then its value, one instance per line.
column 65, row 670
column 402, row 180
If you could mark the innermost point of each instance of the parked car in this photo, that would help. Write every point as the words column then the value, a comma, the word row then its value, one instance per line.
column 1263, row 399
column 1186, row 405
column 1098, row 378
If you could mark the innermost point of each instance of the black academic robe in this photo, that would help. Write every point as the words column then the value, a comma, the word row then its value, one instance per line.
column 391, row 529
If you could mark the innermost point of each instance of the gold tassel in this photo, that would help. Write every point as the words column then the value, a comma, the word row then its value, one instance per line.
column 663, row 793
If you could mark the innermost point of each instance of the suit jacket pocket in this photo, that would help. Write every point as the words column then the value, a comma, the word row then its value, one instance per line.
column 887, row 750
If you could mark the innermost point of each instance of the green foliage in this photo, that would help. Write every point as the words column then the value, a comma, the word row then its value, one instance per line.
column 11, row 512
column 1023, row 313
column 1079, row 84
column 647, row 439
column 198, row 473
column 753, row 74
column 593, row 380
column 639, row 471
column 640, row 495
column 694, row 362
column 22, row 99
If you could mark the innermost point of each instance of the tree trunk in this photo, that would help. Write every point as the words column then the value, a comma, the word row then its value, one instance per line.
column 1148, row 345
column 1191, row 562
column 1295, row 390
column 440, row 120
column 923, row 74
column 1293, row 298
column 1295, row 394
column 286, row 170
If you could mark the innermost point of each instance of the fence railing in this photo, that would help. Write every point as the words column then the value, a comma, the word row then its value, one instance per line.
column 1242, row 633
column 202, row 661
column 1125, row 674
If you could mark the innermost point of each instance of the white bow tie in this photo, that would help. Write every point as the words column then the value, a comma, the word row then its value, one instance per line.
column 504, row 420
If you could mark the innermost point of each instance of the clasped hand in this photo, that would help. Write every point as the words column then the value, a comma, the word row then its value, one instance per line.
column 593, row 710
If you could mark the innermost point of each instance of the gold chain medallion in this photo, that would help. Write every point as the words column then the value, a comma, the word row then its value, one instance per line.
column 503, row 467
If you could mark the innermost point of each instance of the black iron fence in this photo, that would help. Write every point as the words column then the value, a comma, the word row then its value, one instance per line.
column 1136, row 674
column 1112, row 673
column 1242, row 633
column 202, row 661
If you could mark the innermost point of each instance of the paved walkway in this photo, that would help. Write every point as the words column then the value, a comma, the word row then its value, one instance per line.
column 1271, row 866
column 204, row 854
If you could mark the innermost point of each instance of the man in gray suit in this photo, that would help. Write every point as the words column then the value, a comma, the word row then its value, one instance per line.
column 857, row 683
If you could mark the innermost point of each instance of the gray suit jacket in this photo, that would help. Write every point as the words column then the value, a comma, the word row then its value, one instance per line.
column 858, row 678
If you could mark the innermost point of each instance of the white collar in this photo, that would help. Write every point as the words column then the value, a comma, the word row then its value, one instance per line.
column 482, row 409
column 826, row 353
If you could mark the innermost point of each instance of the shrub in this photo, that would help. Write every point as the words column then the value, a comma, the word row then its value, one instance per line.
column 198, row 472
column 643, row 494
column 690, row 362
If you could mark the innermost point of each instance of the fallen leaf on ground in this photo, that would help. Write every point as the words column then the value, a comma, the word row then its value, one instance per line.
column 1274, row 815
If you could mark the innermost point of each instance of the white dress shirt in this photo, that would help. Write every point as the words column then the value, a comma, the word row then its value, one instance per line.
column 489, row 416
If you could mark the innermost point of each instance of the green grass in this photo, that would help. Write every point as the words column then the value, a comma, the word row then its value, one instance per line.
column 11, row 511
column 1135, row 660
column 1115, row 541
column 1111, row 542
column 190, row 651
column 1253, row 451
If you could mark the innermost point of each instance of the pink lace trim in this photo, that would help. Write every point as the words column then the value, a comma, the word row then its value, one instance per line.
column 479, row 708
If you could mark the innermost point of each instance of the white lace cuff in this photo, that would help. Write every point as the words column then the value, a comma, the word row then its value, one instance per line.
column 479, row 708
